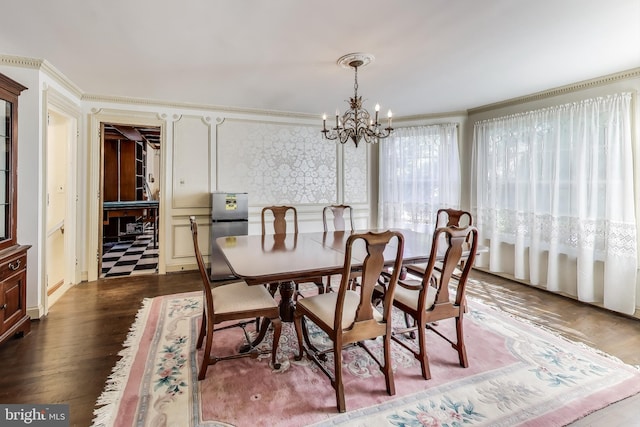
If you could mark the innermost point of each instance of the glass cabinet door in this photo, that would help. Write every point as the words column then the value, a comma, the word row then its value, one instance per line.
column 5, row 168
column 9, row 93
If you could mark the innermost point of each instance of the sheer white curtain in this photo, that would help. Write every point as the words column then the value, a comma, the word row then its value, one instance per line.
column 419, row 174
column 556, row 185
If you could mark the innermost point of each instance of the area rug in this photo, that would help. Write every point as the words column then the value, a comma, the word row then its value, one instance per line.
column 518, row 374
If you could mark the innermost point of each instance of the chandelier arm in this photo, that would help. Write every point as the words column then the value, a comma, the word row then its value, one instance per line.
column 345, row 135
column 330, row 135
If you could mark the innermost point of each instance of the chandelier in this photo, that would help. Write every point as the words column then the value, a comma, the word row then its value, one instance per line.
column 356, row 123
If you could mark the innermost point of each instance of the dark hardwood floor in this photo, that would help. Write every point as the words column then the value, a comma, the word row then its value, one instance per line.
column 68, row 355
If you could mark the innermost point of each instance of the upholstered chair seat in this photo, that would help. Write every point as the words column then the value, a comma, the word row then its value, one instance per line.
column 410, row 297
column 324, row 307
column 238, row 297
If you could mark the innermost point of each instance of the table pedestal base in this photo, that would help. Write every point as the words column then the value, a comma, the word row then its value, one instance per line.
column 287, row 304
column 288, row 291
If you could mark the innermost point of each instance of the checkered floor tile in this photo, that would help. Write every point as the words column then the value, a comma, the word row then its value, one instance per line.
column 130, row 258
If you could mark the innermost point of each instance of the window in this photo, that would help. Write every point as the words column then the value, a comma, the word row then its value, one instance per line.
column 419, row 174
column 559, row 180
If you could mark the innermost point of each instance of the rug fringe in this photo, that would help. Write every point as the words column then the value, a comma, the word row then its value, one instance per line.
column 117, row 381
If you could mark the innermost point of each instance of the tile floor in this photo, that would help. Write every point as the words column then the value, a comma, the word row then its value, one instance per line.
column 130, row 258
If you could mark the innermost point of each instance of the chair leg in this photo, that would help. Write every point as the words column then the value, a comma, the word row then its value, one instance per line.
column 388, row 368
column 353, row 283
column 206, row 357
column 277, row 328
column 422, row 355
column 297, row 322
column 320, row 285
column 264, row 327
column 312, row 348
column 328, row 285
column 462, row 351
column 273, row 288
column 303, row 337
column 337, row 382
column 410, row 322
column 296, row 291
column 203, row 330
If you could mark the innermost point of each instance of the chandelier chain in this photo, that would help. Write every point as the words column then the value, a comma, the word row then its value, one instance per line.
column 355, row 84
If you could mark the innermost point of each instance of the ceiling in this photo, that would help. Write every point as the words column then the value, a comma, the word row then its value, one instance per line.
column 431, row 56
column 148, row 134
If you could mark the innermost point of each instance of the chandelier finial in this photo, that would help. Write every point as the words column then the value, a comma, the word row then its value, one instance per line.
column 356, row 122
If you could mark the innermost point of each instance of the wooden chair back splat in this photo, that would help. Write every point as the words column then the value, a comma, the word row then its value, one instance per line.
column 338, row 213
column 335, row 214
column 446, row 218
column 280, row 214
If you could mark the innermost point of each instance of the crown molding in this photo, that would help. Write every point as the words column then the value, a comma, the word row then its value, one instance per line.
column 193, row 106
column 43, row 66
column 21, row 61
column 60, row 78
column 430, row 116
column 574, row 87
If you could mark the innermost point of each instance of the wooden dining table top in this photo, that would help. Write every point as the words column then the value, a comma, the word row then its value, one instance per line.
column 261, row 259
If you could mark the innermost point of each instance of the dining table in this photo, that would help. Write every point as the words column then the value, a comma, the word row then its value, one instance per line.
column 285, row 259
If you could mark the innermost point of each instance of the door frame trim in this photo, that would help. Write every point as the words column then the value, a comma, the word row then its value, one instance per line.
column 95, row 173
column 55, row 101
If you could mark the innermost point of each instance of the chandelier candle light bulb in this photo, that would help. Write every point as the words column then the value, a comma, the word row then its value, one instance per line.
column 356, row 123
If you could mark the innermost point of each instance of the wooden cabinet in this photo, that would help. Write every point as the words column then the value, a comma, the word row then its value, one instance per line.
column 13, row 257
column 124, row 181
column 124, row 170
column 13, row 292
column 141, row 162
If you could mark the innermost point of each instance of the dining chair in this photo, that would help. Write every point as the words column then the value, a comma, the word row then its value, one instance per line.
column 445, row 218
column 436, row 296
column 234, row 302
column 281, row 217
column 334, row 215
column 348, row 317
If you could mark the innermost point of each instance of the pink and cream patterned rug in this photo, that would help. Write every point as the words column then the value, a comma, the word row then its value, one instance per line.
column 518, row 375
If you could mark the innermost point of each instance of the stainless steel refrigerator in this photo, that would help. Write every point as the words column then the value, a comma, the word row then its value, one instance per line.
column 229, row 217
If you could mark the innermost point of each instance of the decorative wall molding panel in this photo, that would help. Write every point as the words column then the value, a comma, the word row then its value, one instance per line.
column 191, row 162
column 276, row 163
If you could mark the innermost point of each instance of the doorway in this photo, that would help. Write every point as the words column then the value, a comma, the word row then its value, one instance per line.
column 60, row 260
column 131, row 200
